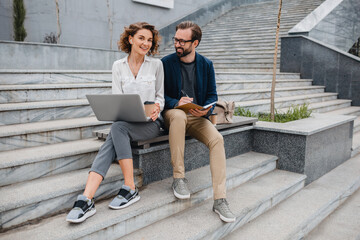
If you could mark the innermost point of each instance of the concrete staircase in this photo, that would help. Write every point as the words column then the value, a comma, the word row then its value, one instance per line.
column 46, row 142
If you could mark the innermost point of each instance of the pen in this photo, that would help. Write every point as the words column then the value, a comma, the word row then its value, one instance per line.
column 184, row 93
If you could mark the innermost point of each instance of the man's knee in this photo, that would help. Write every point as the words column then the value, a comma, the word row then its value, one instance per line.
column 217, row 139
column 175, row 115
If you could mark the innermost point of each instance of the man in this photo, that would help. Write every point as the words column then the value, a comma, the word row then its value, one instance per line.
column 190, row 77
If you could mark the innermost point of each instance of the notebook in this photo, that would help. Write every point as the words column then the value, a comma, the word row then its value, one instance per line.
column 118, row 107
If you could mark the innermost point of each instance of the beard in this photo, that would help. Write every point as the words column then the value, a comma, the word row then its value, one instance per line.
column 184, row 52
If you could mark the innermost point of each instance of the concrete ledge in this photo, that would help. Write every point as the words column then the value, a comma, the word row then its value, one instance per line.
column 155, row 161
column 316, row 123
column 312, row 146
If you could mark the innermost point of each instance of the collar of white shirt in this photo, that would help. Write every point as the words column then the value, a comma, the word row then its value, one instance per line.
column 125, row 59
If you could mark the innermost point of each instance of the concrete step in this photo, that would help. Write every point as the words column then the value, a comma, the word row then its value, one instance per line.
column 254, row 68
column 24, row 202
column 246, row 201
column 343, row 223
column 255, row 54
column 354, row 111
column 15, row 113
column 239, row 75
column 110, row 224
column 299, row 214
column 26, row 135
column 357, row 125
column 239, row 66
column 243, row 58
column 233, row 41
column 14, row 76
column 356, row 144
column 255, row 37
column 260, row 84
column 36, row 162
column 256, row 94
column 48, row 92
column 325, row 106
column 226, row 51
column 263, row 105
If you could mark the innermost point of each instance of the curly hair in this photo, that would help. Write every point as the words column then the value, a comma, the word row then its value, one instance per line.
column 125, row 46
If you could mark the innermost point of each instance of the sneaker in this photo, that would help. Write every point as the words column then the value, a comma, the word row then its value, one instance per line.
column 221, row 207
column 125, row 198
column 83, row 208
column 180, row 188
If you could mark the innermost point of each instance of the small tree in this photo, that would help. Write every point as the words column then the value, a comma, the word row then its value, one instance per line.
column 19, row 17
column 272, row 99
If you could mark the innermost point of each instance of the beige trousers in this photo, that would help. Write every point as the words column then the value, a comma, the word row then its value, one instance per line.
column 179, row 124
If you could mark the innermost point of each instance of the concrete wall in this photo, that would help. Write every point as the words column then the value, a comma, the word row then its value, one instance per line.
column 335, row 22
column 88, row 23
column 327, row 66
column 40, row 56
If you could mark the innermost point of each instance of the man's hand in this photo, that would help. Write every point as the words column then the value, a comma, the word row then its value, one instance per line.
column 185, row 100
column 155, row 113
column 199, row 113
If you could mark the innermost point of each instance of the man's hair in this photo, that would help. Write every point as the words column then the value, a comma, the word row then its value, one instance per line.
column 124, row 44
column 195, row 29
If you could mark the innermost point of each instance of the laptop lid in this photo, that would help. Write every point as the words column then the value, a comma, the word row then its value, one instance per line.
column 118, row 107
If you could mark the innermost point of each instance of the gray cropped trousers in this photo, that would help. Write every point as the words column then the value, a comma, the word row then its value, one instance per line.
column 117, row 145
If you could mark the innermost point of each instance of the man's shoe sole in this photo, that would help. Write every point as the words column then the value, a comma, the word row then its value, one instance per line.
column 134, row 200
column 225, row 219
column 179, row 196
column 83, row 218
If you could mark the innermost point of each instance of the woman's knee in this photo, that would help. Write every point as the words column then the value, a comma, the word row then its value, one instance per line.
column 118, row 126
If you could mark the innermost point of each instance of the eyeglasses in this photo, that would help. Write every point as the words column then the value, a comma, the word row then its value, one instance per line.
column 182, row 42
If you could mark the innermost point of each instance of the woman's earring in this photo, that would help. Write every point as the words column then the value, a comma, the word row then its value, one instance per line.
column 130, row 41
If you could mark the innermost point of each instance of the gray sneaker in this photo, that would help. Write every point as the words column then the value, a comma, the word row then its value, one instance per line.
column 83, row 208
column 180, row 188
column 221, row 207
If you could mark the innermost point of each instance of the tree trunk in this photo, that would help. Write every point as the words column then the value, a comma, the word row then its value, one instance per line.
column 272, row 100
column 58, row 21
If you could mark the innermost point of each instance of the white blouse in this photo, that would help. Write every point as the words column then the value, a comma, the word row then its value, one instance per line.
column 149, row 83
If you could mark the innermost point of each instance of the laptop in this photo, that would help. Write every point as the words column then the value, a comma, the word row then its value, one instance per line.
column 118, row 107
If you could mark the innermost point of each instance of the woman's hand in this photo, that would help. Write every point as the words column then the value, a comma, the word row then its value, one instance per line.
column 155, row 113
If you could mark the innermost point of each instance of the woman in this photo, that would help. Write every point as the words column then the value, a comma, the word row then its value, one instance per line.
column 136, row 73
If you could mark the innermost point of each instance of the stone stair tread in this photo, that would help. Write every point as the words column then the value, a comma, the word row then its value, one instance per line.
column 299, row 214
column 345, row 111
column 356, row 141
column 29, row 155
column 42, row 104
column 268, row 90
column 32, row 71
column 343, row 223
column 25, row 193
column 264, row 81
column 257, row 73
column 153, row 196
column 37, row 127
column 357, row 122
column 282, row 99
column 198, row 221
column 52, row 86
column 321, row 104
